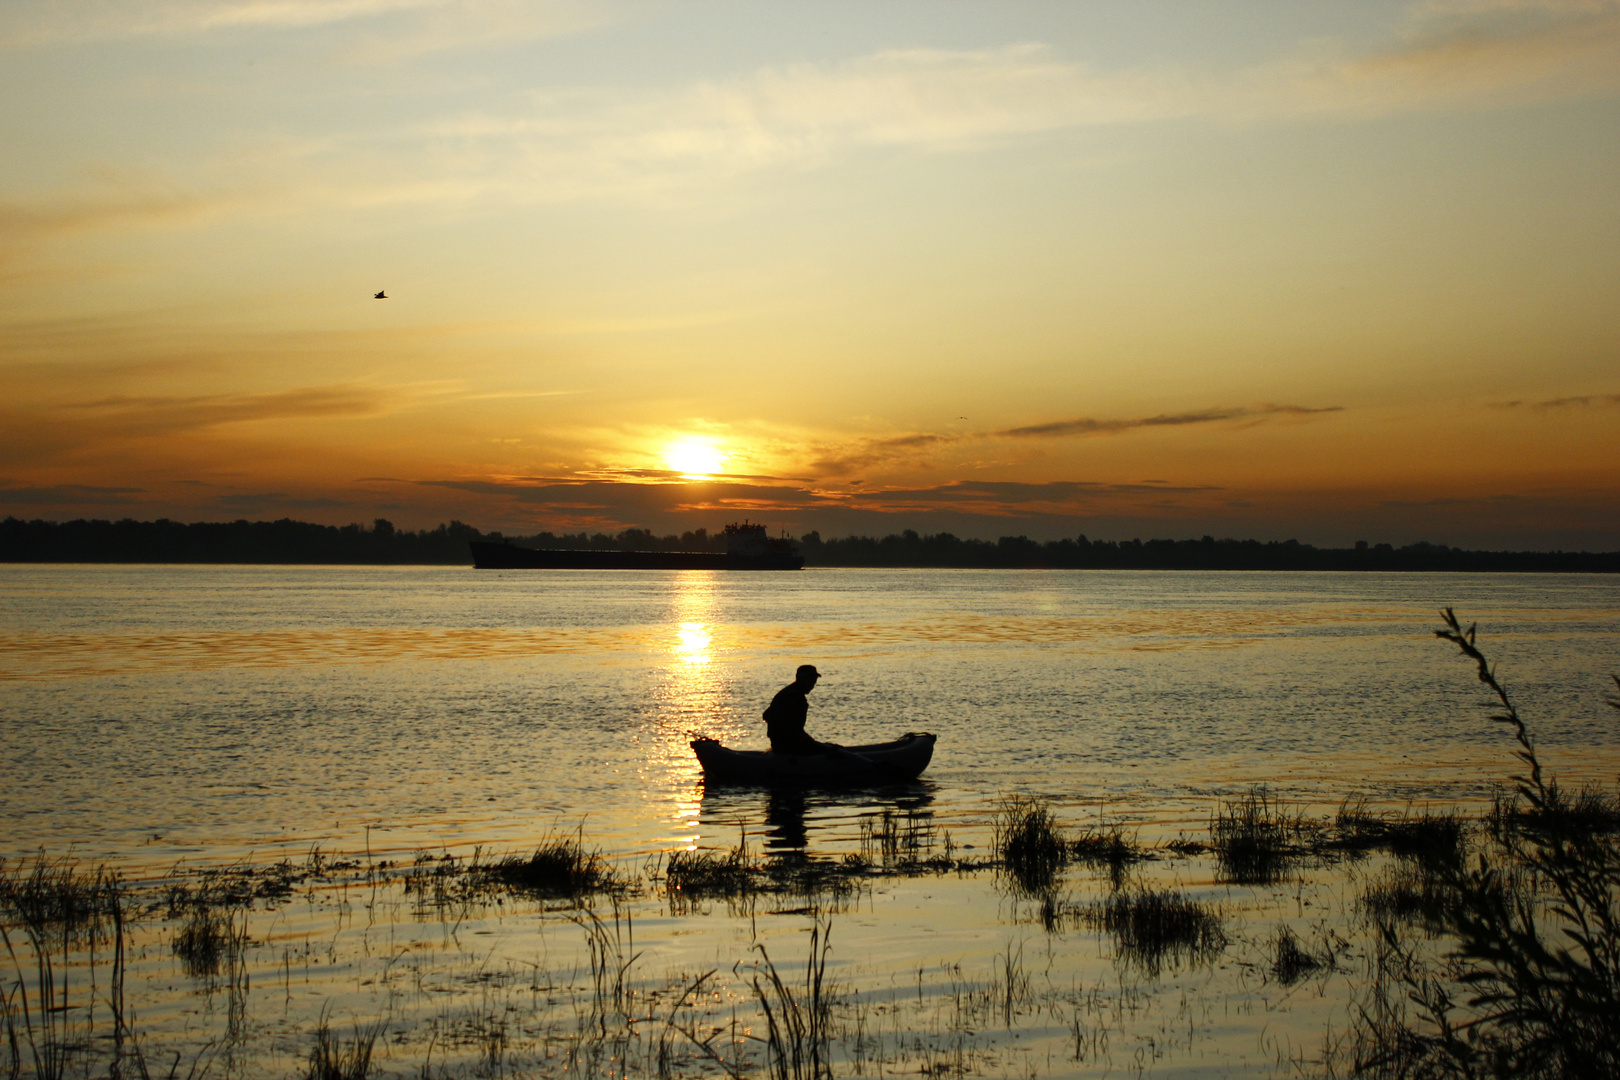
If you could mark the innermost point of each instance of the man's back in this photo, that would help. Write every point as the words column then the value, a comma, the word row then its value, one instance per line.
column 787, row 712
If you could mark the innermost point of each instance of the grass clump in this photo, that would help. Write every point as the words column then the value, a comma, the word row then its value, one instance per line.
column 333, row 1059
column 560, row 868
column 1030, row 844
column 1254, row 837
column 1151, row 926
column 1108, row 847
column 56, row 894
column 1291, row 961
column 692, row 876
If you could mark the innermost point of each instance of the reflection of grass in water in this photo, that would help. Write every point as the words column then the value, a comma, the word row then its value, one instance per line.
column 1291, row 961
column 1030, row 843
column 1254, row 837
column 1152, row 926
column 560, row 868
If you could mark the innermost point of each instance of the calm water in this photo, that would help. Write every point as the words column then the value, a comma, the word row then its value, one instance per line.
column 157, row 713
column 162, row 719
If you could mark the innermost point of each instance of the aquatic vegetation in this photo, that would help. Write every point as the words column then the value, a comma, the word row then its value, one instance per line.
column 1254, row 837
column 1030, row 843
column 560, row 868
column 1152, row 926
column 701, row 875
column 331, row 1058
column 1291, row 961
column 59, row 895
column 1107, row 846
column 798, row 1026
column 1530, row 985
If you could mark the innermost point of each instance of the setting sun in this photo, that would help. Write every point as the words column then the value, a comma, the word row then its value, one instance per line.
column 694, row 457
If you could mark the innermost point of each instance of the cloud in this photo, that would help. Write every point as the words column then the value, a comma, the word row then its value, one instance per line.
column 598, row 142
column 141, row 416
column 68, row 495
column 379, row 29
column 873, row 453
column 258, row 502
column 1096, row 426
column 1583, row 401
column 51, row 433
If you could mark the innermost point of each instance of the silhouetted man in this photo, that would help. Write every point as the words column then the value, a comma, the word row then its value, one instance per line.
column 785, row 716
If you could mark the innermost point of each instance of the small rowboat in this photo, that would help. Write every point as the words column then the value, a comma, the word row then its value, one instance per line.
column 899, row 761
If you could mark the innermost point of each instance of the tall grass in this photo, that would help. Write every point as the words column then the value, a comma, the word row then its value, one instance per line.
column 798, row 1026
column 1531, row 985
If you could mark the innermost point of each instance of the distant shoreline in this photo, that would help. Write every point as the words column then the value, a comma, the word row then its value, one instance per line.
column 297, row 543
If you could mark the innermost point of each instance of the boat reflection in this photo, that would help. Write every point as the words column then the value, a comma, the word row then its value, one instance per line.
column 805, row 822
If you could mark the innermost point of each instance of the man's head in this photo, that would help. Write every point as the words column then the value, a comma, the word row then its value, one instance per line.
column 806, row 676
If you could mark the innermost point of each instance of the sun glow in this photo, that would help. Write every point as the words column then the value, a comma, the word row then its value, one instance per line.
column 694, row 457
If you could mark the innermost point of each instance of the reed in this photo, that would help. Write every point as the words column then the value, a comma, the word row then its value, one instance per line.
column 698, row 875
column 1291, row 961
column 798, row 1026
column 1107, row 846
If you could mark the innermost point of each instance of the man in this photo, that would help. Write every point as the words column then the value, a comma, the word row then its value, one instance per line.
column 785, row 716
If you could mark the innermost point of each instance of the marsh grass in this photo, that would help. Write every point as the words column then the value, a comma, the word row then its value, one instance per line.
column 1030, row 844
column 1434, row 839
column 560, row 868
column 58, row 895
column 1255, row 839
column 1153, row 926
column 1291, row 961
column 331, row 1058
column 905, row 841
column 1107, row 846
column 691, row 877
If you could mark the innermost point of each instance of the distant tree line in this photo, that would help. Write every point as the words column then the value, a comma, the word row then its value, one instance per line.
column 942, row 549
column 288, row 541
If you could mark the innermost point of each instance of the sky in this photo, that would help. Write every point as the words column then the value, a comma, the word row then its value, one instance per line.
column 1323, row 271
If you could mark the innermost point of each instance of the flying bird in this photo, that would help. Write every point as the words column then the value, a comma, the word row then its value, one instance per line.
column 381, row 296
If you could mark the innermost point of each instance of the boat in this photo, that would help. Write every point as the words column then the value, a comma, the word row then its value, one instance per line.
column 899, row 761
column 747, row 548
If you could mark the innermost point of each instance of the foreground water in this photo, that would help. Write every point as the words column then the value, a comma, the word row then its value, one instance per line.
column 161, row 717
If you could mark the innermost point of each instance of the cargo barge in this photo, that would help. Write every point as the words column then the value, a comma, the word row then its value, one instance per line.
column 747, row 548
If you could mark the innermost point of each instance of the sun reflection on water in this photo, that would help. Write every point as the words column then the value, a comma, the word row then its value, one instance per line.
column 694, row 640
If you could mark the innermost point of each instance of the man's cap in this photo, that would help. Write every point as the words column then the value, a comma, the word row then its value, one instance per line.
column 808, row 669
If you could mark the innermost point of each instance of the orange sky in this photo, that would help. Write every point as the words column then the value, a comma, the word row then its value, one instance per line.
column 1323, row 271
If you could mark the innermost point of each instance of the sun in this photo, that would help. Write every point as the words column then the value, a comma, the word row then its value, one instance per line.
column 694, row 457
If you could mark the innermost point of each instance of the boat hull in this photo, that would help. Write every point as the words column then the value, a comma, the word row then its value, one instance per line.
column 900, row 761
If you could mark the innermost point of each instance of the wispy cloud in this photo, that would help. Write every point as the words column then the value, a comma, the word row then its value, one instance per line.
column 66, row 495
column 615, row 142
column 380, row 29
column 1088, row 425
column 1581, row 401
column 871, row 453
column 166, row 415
